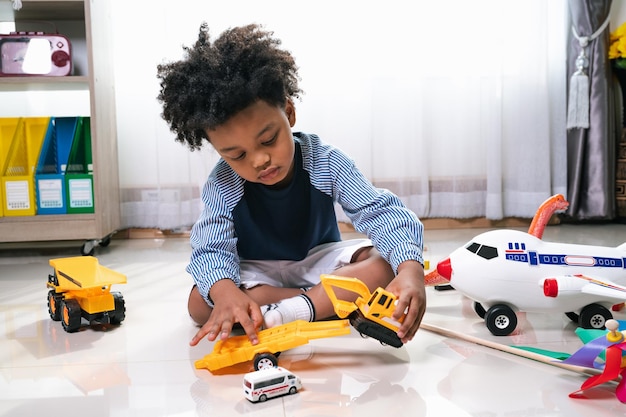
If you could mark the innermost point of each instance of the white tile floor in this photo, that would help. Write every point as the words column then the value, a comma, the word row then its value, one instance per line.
column 145, row 367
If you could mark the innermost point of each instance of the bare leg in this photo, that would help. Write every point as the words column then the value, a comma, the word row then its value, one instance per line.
column 200, row 311
column 368, row 266
column 266, row 294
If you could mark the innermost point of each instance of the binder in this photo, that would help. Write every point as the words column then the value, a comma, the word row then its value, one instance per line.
column 50, row 188
column 79, row 172
column 8, row 125
column 18, row 188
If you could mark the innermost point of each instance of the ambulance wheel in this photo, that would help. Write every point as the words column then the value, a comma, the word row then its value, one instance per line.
column 70, row 315
column 293, row 390
column 594, row 316
column 263, row 398
column 265, row 361
column 501, row 320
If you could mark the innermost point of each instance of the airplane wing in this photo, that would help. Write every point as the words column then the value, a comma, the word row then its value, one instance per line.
column 605, row 288
column 569, row 284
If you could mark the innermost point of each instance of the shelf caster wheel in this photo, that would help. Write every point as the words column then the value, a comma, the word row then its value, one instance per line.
column 89, row 247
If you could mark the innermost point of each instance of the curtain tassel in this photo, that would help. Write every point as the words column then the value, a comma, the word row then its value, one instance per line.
column 578, row 104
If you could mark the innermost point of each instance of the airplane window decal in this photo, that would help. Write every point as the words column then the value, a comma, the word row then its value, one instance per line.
column 488, row 252
column 484, row 251
column 473, row 247
column 534, row 258
column 591, row 261
column 517, row 246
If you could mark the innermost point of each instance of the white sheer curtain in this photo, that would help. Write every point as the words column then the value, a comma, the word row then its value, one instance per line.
column 457, row 106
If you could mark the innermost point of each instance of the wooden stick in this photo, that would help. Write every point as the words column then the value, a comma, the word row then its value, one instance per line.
column 509, row 349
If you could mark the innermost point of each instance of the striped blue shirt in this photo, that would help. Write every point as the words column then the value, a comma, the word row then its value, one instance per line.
column 244, row 220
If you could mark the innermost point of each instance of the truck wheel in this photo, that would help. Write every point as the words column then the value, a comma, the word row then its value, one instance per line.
column 119, row 314
column 70, row 315
column 264, row 361
column 501, row 320
column 54, row 305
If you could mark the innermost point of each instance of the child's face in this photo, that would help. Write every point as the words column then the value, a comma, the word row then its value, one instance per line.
column 257, row 142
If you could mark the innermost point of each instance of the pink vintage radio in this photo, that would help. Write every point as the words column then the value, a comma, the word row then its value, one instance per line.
column 35, row 54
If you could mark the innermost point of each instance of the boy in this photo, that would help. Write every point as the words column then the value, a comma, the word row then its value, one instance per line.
column 268, row 229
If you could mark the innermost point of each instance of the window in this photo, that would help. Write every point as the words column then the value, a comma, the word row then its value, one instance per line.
column 484, row 251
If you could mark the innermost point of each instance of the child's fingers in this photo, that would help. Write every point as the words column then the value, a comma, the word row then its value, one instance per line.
column 209, row 329
column 250, row 328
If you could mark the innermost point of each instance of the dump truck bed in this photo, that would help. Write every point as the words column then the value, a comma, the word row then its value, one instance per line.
column 238, row 349
column 82, row 272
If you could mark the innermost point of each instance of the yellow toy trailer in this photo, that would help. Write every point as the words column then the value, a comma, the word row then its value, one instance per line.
column 272, row 342
column 81, row 288
column 369, row 314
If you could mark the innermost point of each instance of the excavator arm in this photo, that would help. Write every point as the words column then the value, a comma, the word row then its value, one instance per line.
column 344, row 308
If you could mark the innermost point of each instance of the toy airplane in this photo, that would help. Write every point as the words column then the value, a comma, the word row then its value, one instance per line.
column 505, row 271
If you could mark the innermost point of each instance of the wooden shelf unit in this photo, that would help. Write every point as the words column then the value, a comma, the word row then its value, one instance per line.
column 88, row 27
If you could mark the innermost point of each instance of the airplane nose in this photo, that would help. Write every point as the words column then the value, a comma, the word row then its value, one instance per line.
column 445, row 269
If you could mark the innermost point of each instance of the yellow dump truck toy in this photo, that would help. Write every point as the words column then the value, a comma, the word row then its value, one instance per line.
column 80, row 288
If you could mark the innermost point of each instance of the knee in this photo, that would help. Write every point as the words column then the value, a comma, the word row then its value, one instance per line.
column 374, row 262
column 198, row 309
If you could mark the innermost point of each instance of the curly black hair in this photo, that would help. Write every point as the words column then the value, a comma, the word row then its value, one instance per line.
column 216, row 80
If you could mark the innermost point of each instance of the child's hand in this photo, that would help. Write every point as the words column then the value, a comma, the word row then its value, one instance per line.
column 231, row 305
column 408, row 286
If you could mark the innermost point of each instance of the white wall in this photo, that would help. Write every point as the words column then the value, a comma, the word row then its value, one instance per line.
column 618, row 14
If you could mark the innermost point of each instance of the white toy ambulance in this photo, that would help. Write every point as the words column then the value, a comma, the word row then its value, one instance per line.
column 269, row 383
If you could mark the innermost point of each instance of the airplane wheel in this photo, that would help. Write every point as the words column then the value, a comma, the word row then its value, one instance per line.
column 572, row 316
column 265, row 361
column 70, row 315
column 479, row 309
column 501, row 320
column 594, row 316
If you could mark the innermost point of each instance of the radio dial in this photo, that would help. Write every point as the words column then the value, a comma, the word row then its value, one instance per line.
column 60, row 58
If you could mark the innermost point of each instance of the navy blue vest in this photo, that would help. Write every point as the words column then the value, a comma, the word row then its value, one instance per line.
column 285, row 223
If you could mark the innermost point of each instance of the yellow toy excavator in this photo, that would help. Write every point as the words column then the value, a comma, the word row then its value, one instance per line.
column 369, row 314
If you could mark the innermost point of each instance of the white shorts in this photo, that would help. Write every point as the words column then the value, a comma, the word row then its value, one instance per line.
column 322, row 259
